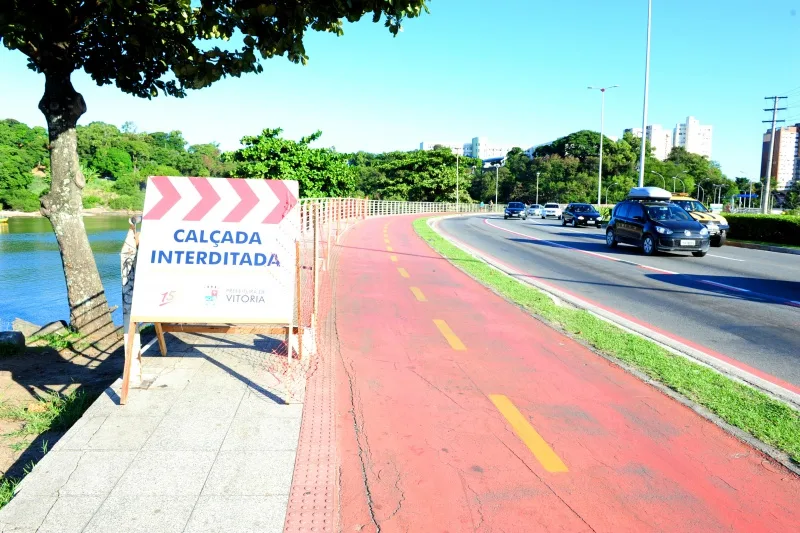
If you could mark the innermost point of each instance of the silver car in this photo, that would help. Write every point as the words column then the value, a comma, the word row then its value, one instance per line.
column 535, row 210
column 552, row 210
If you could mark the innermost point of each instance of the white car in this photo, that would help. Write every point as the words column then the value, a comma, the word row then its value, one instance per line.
column 552, row 210
column 535, row 210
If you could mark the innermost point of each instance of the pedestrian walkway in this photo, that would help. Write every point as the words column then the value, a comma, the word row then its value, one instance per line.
column 457, row 411
column 206, row 444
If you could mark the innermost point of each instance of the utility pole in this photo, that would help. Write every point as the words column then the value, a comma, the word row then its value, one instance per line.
column 646, row 91
column 765, row 192
column 537, row 188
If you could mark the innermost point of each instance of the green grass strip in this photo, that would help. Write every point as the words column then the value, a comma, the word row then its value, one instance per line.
column 764, row 243
column 770, row 421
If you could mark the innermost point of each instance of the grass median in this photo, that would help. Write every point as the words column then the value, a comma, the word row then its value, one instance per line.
column 770, row 421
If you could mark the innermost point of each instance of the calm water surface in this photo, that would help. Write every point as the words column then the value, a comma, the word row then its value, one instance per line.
column 32, row 283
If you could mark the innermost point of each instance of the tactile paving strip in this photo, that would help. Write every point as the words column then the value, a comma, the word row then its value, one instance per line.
column 313, row 497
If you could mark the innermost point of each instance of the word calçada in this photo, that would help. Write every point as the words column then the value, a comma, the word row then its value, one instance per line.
column 208, row 257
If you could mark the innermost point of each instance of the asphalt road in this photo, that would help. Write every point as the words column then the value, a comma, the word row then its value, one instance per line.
column 744, row 304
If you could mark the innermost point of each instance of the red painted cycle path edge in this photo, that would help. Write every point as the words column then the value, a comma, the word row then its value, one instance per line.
column 421, row 447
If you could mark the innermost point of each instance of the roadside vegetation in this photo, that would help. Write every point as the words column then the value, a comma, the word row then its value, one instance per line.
column 741, row 406
column 50, row 412
column 766, row 229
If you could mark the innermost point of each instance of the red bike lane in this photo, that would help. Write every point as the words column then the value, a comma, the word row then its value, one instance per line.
column 457, row 411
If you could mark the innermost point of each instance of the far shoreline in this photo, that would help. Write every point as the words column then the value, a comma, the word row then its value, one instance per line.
column 93, row 212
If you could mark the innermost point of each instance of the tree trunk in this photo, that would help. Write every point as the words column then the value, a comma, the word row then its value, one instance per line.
column 62, row 106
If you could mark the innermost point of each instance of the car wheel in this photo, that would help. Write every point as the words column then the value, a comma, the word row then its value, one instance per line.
column 543, row 217
column 505, row 217
column 648, row 245
column 611, row 239
column 524, row 218
column 563, row 222
column 719, row 241
column 574, row 222
column 701, row 253
column 560, row 217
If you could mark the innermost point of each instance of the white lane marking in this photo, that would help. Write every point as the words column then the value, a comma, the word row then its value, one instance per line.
column 724, row 286
column 728, row 258
column 595, row 254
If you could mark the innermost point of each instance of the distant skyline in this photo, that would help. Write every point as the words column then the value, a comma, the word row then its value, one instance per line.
column 515, row 73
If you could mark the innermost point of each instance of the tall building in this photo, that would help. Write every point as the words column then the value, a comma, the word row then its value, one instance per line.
column 660, row 141
column 785, row 156
column 693, row 136
column 479, row 148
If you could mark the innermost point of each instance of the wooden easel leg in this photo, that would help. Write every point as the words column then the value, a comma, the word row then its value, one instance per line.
column 126, row 373
column 162, row 345
column 289, row 343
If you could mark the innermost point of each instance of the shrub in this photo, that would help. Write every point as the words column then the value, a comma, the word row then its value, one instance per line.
column 91, row 201
column 21, row 200
column 127, row 202
column 780, row 229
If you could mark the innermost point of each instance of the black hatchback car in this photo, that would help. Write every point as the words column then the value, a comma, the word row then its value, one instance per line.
column 581, row 215
column 646, row 220
column 516, row 209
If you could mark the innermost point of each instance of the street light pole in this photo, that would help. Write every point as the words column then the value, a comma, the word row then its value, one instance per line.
column 646, row 90
column 602, row 126
column 537, row 188
column 496, row 182
column 458, row 204
column 663, row 179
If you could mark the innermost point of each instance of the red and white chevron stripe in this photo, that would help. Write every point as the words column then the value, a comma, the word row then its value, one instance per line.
column 219, row 199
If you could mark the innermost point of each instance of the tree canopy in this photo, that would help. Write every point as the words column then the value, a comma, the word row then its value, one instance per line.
column 319, row 171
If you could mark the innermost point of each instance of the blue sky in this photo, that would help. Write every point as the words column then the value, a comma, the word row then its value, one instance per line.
column 515, row 71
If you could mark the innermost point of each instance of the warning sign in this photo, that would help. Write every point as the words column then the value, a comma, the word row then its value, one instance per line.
column 216, row 250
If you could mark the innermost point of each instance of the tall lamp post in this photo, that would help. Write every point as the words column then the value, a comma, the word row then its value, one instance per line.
column 602, row 125
column 458, row 204
column 664, row 180
column 496, row 182
column 700, row 187
column 677, row 178
column 646, row 90
column 537, row 188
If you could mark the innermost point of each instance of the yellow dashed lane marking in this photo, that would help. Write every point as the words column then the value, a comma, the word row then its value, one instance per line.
column 393, row 258
column 386, row 241
column 418, row 294
column 535, row 443
column 389, row 249
column 403, row 272
column 452, row 339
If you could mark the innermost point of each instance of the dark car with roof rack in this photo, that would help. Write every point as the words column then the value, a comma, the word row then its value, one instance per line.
column 647, row 219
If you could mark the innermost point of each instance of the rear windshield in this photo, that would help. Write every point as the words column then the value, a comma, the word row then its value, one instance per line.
column 535, row 206
column 667, row 212
column 550, row 205
column 516, row 205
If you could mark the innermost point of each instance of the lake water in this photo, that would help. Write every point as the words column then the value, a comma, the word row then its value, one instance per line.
column 32, row 283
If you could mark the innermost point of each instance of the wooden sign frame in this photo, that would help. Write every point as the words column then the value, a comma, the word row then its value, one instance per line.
column 288, row 330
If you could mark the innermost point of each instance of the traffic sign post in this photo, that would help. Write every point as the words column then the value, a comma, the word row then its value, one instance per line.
column 216, row 254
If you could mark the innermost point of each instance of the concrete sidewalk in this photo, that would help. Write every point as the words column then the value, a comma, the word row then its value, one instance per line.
column 206, row 444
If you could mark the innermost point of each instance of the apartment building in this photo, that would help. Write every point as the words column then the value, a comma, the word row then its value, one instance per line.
column 785, row 156
column 691, row 135
column 478, row 147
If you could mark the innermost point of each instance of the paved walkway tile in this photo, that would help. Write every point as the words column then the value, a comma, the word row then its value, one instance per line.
column 207, row 443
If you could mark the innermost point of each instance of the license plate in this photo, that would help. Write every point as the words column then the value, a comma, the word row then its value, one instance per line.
column 685, row 242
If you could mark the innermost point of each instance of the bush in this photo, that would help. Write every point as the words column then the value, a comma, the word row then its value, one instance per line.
column 91, row 201
column 127, row 203
column 21, row 200
column 779, row 229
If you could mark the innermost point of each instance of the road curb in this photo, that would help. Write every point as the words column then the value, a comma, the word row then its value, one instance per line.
column 764, row 247
column 730, row 371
